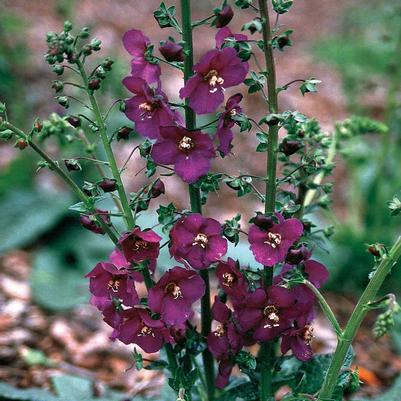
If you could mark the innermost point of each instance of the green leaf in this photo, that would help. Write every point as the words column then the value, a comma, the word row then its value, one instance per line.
column 72, row 387
column 26, row 215
column 8, row 393
column 282, row 6
column 310, row 85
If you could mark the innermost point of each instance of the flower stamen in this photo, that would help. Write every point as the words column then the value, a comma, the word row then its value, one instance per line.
column 186, row 144
column 307, row 334
column 213, row 77
column 273, row 239
column 219, row 332
column 174, row 290
column 201, row 240
column 113, row 285
column 146, row 331
column 228, row 279
column 271, row 312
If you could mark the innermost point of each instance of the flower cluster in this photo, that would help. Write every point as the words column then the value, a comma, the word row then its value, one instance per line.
column 190, row 152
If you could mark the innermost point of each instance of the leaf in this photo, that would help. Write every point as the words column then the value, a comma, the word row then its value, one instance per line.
column 245, row 391
column 72, row 387
column 26, row 215
column 8, row 393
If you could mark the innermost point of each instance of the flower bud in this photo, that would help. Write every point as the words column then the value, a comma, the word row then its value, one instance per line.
column 37, row 125
column 263, row 222
column 100, row 72
column 158, row 188
column 95, row 44
column 58, row 69
column 94, row 84
column 172, row 51
column 223, row 16
column 289, row 147
column 107, row 63
column 84, row 33
column 67, row 26
column 72, row 57
column 58, row 86
column 63, row 101
column 296, row 256
column 87, row 50
column 74, row 121
column 72, row 165
column 108, row 185
column 124, row 132
column 21, row 144
column 89, row 222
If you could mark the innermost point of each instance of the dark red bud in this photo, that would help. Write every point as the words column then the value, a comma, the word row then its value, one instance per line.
column 21, row 144
column 74, row 121
column 37, row 125
column 123, row 133
column 296, row 256
column 108, row 185
column 87, row 50
column 72, row 165
column 374, row 250
column 289, row 147
column 158, row 188
column 172, row 51
column 283, row 41
column 94, row 84
column 224, row 16
column 263, row 222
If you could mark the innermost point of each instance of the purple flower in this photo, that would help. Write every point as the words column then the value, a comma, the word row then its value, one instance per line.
column 111, row 314
column 216, row 71
column 198, row 240
column 139, row 328
column 232, row 281
column 225, row 340
column 138, row 245
column 298, row 340
column 270, row 246
column 172, row 51
column 268, row 312
column 189, row 151
column 89, row 221
column 108, row 281
column 174, row 295
column 137, row 45
column 224, row 371
column 148, row 108
column 225, row 123
column 223, row 16
column 225, row 33
column 316, row 272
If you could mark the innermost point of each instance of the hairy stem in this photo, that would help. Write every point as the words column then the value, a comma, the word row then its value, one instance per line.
column 129, row 219
column 266, row 353
column 195, row 199
column 356, row 319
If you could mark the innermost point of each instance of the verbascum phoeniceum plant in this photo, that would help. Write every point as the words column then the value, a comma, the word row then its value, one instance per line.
column 260, row 317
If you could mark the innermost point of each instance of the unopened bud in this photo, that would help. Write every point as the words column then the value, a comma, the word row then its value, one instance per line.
column 58, row 69
column 72, row 165
column 63, row 101
column 94, row 84
column 289, row 147
column 58, row 86
column 21, row 144
column 124, row 133
column 172, row 51
column 67, row 26
column 87, row 50
column 37, row 125
column 263, row 222
column 108, row 185
column 158, row 188
column 224, row 16
column 74, row 121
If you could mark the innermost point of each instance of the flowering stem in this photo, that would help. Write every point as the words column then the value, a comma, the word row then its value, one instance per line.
column 195, row 198
column 109, row 152
column 65, row 177
column 325, row 307
column 356, row 319
column 266, row 353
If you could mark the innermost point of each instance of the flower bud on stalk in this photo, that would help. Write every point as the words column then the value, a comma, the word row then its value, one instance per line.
column 74, row 121
column 223, row 16
column 108, row 185
column 172, row 51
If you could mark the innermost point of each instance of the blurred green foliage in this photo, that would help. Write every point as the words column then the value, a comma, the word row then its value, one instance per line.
column 366, row 52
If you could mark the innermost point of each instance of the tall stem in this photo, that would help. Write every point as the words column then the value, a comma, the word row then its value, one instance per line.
column 194, row 195
column 356, row 319
column 65, row 177
column 266, row 353
column 129, row 219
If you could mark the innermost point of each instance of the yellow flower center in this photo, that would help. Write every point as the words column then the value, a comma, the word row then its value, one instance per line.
column 147, row 110
column 271, row 312
column 219, row 332
column 186, row 144
column 228, row 279
column 201, row 240
column 214, row 80
column 307, row 335
column 273, row 239
column 114, row 285
column 174, row 290
column 139, row 244
column 146, row 331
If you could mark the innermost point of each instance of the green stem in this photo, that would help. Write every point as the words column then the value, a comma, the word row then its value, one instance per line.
column 195, row 199
column 356, row 319
column 65, row 177
column 109, row 152
column 266, row 353
column 325, row 307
